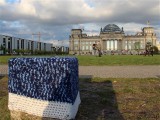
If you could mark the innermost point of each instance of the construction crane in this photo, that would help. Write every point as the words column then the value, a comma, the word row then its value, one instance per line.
column 39, row 39
column 39, row 36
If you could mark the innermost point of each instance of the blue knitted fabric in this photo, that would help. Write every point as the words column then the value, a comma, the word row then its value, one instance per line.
column 51, row 79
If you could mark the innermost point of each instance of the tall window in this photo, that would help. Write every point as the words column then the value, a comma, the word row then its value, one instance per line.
column 83, row 48
column 86, row 47
column 18, row 44
column 125, row 47
column 90, row 47
column 75, row 42
column 32, row 43
column 28, row 46
column 22, row 44
column 137, row 45
column 9, row 45
column 130, row 46
column 4, row 42
column 111, row 44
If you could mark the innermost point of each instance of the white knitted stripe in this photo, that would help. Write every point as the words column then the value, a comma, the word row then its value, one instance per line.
column 43, row 108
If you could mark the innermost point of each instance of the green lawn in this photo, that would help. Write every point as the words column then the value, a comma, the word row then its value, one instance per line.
column 107, row 60
column 119, row 60
column 107, row 99
column 4, row 59
column 4, row 112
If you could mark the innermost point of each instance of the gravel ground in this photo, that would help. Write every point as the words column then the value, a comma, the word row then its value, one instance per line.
column 149, row 71
column 120, row 71
column 3, row 70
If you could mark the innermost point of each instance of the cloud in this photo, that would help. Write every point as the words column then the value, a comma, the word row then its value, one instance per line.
column 80, row 11
column 59, row 42
column 57, row 17
column 2, row 2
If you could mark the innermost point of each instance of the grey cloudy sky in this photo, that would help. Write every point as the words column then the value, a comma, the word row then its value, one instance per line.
column 55, row 18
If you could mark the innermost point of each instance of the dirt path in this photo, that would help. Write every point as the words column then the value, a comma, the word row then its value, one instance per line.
column 149, row 71
column 120, row 71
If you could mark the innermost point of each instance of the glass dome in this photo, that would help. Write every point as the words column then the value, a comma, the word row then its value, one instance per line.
column 111, row 28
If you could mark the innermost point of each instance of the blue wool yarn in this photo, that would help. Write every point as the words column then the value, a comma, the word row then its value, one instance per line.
column 51, row 79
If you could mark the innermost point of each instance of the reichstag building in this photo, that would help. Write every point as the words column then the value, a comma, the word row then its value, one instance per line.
column 113, row 40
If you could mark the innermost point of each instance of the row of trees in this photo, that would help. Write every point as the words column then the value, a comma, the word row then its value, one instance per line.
column 2, row 48
column 29, row 52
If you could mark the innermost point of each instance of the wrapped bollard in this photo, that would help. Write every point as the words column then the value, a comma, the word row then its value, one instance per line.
column 45, row 87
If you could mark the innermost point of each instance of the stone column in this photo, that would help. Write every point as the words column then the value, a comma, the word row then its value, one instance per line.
column 109, row 44
column 114, row 44
column 105, row 44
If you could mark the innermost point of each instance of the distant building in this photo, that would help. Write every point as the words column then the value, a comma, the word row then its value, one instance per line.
column 13, row 43
column 60, row 49
column 112, row 40
column 158, row 45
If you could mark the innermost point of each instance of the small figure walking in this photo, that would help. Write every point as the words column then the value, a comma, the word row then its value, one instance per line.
column 99, row 49
column 94, row 47
column 151, row 51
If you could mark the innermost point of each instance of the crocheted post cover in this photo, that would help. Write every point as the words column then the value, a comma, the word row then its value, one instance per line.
column 46, row 87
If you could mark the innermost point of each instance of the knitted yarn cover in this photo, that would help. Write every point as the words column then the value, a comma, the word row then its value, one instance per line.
column 47, row 80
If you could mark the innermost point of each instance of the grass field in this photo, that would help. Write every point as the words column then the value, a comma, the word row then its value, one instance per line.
column 107, row 60
column 4, row 59
column 119, row 60
column 4, row 112
column 108, row 99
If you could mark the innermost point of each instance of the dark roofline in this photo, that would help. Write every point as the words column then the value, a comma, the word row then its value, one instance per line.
column 76, row 29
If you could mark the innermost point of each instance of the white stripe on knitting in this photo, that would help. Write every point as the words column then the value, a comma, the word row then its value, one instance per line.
column 43, row 108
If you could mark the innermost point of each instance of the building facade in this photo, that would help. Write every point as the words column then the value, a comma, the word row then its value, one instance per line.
column 11, row 44
column 112, row 40
column 158, row 45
